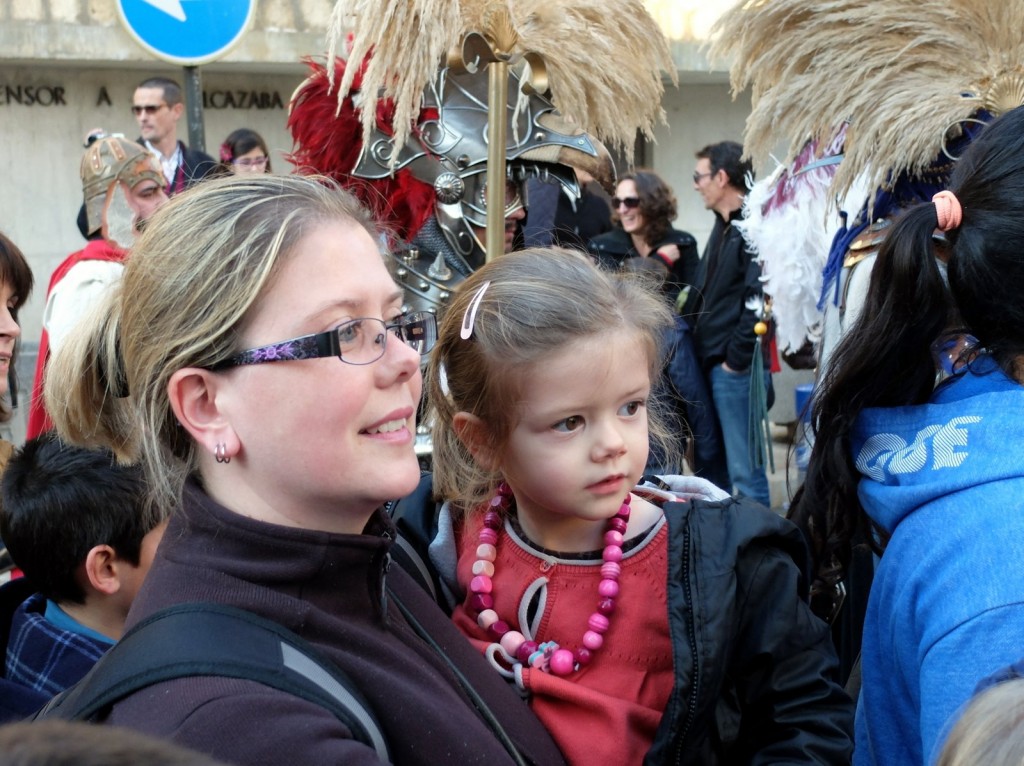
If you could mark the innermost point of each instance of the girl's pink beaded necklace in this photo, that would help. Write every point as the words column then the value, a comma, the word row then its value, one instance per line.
column 547, row 656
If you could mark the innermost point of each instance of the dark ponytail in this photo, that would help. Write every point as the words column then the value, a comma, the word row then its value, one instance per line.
column 883, row 361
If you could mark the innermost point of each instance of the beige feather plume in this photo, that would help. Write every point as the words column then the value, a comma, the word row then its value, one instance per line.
column 903, row 72
column 604, row 73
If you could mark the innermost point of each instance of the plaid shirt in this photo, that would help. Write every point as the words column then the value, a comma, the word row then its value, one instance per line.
column 44, row 657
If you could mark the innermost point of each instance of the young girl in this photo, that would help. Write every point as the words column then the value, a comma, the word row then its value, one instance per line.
column 257, row 361
column 641, row 623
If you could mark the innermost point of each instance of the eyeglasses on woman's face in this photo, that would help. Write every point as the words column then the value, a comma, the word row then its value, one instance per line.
column 251, row 162
column 357, row 341
column 628, row 202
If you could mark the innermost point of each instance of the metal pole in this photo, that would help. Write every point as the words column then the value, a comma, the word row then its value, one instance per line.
column 497, row 104
column 194, row 108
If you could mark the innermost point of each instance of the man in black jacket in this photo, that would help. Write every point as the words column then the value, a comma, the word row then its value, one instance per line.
column 723, row 310
column 158, row 105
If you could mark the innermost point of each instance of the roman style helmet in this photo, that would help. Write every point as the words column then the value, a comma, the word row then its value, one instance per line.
column 403, row 120
column 108, row 162
column 440, row 169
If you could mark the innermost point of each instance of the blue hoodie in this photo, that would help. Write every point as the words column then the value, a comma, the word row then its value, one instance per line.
column 946, row 480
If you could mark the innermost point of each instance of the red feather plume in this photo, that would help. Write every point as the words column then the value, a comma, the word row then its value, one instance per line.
column 328, row 141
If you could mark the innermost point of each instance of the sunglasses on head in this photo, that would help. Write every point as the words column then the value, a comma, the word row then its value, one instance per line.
column 629, row 202
column 147, row 108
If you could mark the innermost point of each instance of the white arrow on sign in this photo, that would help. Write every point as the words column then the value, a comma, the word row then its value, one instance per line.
column 170, row 7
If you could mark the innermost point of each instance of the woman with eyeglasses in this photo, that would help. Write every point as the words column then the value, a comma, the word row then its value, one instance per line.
column 257, row 361
column 643, row 209
column 244, row 151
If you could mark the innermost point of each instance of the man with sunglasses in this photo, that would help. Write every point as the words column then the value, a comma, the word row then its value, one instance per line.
column 723, row 311
column 158, row 105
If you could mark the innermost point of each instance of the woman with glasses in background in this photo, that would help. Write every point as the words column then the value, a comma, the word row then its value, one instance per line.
column 643, row 209
column 257, row 360
column 244, row 151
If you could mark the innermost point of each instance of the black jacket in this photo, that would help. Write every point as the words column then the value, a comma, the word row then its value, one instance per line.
column 728, row 278
column 195, row 166
column 755, row 669
column 613, row 249
column 336, row 592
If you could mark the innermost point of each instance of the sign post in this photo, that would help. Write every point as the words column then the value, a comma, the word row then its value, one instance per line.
column 189, row 33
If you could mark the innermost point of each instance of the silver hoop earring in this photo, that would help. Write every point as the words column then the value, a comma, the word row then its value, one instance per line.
column 220, row 452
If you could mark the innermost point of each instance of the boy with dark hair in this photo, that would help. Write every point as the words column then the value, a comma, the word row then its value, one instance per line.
column 75, row 523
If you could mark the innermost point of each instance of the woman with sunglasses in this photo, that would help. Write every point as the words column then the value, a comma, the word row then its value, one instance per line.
column 643, row 209
column 262, row 370
column 643, row 239
column 244, row 151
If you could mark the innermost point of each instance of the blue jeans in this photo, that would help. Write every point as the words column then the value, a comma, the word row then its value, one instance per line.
column 730, row 392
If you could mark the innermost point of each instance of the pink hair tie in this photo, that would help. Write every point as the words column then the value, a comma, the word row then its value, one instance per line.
column 225, row 153
column 948, row 210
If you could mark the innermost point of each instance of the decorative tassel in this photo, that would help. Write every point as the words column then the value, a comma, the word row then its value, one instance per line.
column 759, row 434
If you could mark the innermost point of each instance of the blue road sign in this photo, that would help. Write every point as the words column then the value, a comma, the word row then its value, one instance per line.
column 186, row 32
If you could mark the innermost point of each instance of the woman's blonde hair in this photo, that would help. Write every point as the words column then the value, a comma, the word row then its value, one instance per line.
column 991, row 730
column 194, row 275
column 538, row 301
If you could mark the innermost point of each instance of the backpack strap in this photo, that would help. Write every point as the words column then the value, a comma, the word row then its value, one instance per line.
column 205, row 639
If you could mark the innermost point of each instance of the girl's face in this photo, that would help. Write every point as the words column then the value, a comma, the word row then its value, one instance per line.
column 581, row 441
column 322, row 443
column 630, row 217
column 253, row 161
column 9, row 331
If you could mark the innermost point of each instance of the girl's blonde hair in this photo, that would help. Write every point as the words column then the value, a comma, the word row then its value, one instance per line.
column 194, row 275
column 538, row 301
column 991, row 730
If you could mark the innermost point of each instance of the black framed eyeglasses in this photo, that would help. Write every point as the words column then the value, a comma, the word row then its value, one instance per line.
column 698, row 176
column 147, row 108
column 629, row 202
column 357, row 341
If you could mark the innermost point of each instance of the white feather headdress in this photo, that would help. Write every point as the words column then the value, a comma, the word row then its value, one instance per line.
column 903, row 73
column 605, row 74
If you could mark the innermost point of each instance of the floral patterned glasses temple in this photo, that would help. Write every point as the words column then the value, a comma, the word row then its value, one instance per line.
column 357, row 341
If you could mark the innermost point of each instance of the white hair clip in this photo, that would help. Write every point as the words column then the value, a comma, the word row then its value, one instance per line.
column 442, row 380
column 469, row 320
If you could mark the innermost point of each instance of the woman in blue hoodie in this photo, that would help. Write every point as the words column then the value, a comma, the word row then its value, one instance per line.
column 932, row 474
